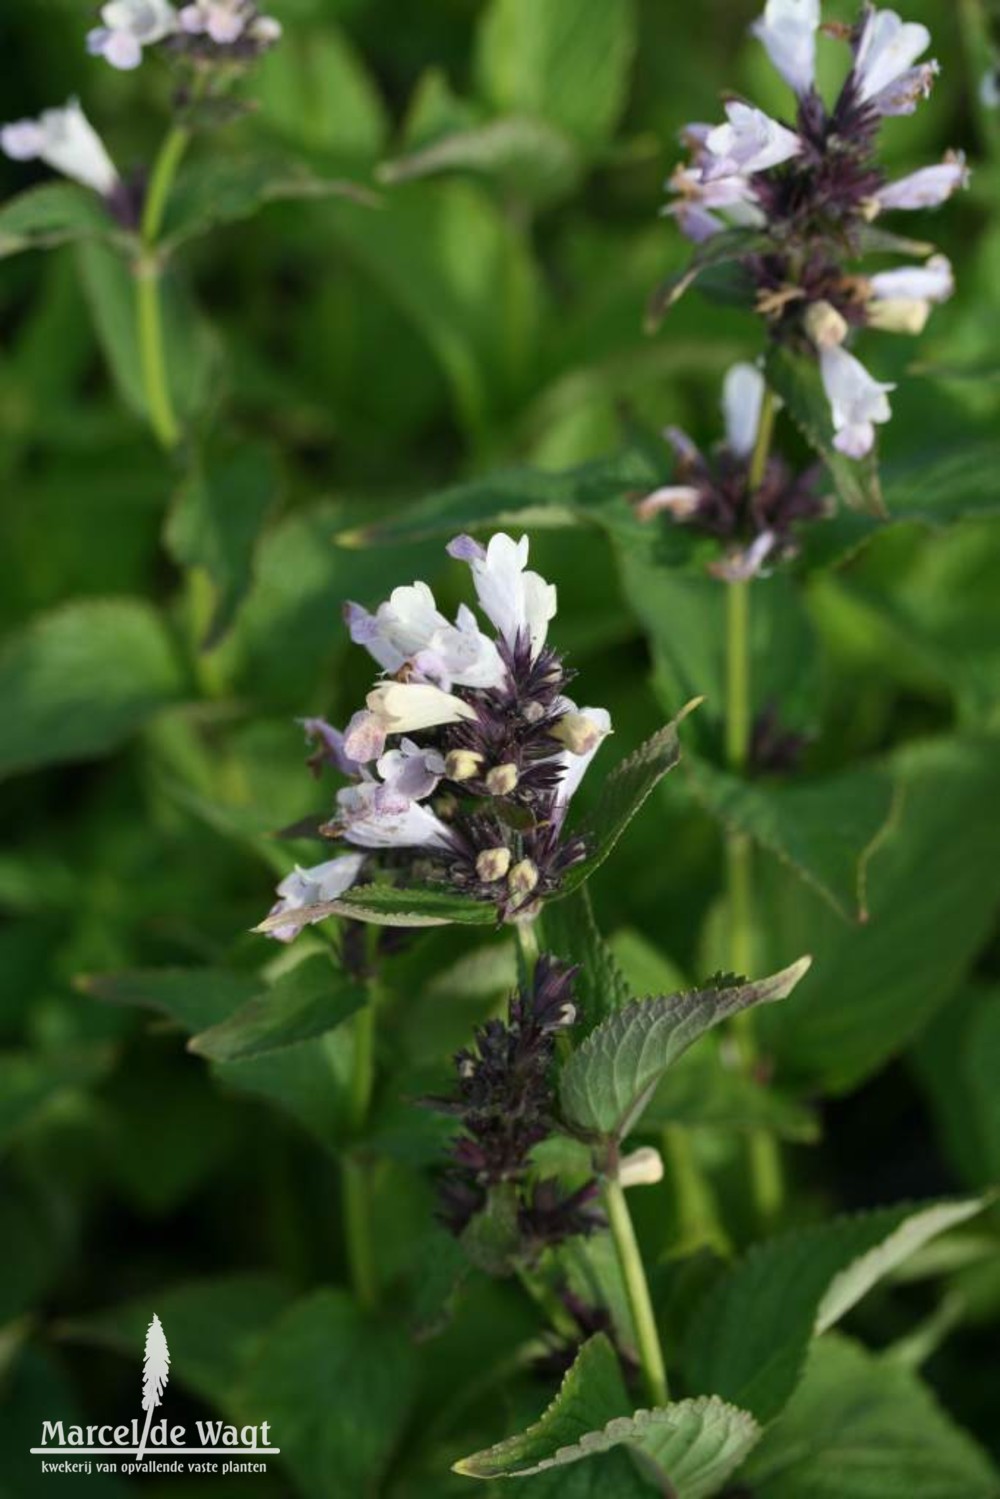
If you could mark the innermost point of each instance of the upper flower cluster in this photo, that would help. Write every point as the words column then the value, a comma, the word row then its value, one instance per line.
column 467, row 751
column 809, row 191
column 213, row 29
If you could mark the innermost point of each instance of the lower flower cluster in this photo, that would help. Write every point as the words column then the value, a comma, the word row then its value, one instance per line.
column 504, row 1101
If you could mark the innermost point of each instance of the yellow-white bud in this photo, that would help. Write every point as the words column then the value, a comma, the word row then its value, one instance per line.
column 462, row 764
column 899, row 314
column 577, row 732
column 502, row 779
column 492, row 864
column 825, row 325
column 643, row 1168
column 523, row 878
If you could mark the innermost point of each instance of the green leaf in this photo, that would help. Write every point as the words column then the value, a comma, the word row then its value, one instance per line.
column 932, row 895
column 316, row 92
column 223, row 190
column 623, row 793
column 571, row 933
column 77, row 682
column 748, row 1339
column 700, row 1091
column 693, row 1444
column 57, row 213
column 567, row 62
column 796, row 379
column 213, row 1327
column 215, row 523
column 610, row 1078
column 532, row 498
column 310, row 1000
column 862, row 1428
column 194, row 997
column 825, row 830
column 387, row 905
column 724, row 249
column 337, row 1389
column 32, row 1082
column 527, row 157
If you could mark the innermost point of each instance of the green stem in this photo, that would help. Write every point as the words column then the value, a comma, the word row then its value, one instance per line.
column 149, row 315
column 357, row 1169
column 637, row 1291
column 765, row 1161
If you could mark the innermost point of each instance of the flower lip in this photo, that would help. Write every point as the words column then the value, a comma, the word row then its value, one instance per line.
column 788, row 30
column 66, row 141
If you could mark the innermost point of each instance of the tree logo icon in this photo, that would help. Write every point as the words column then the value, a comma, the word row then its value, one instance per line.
column 155, row 1373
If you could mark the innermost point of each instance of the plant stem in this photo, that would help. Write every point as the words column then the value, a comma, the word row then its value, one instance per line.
column 356, row 1169
column 637, row 1291
column 149, row 315
column 697, row 1218
column 765, row 1162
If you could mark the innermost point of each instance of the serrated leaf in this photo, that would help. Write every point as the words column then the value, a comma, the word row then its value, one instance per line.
column 57, row 213
column 571, row 933
column 387, row 905
column 223, row 190
column 77, row 682
column 825, row 830
column 796, row 379
column 622, row 795
column 215, row 522
column 310, row 1000
column 749, row 1337
column 609, row 1079
column 694, row 1444
column 861, row 1428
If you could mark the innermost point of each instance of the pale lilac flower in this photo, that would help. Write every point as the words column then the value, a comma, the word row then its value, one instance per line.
column 742, row 399
column 66, row 141
column 311, row 887
column 902, row 298
column 927, row 188
column 705, row 207
column 227, row 21
column 749, row 142
column 518, row 603
column 857, row 401
column 409, row 774
column 884, row 72
column 400, row 824
column 787, row 30
column 409, row 630
column 129, row 25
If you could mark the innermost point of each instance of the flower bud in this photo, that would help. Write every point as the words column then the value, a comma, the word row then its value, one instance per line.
column 825, row 325
column 899, row 314
column 462, row 764
column 643, row 1168
column 523, row 878
column 577, row 732
column 502, row 779
column 492, row 864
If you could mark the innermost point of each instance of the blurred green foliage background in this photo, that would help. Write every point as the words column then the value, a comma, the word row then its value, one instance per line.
column 339, row 361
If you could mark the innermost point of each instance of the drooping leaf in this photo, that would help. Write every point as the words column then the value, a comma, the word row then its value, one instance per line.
column 693, row 1444
column 610, row 1078
column 338, row 1387
column 825, row 830
column 216, row 521
column 306, row 1002
column 749, row 1337
column 77, row 682
column 223, row 190
column 796, row 378
column 566, row 62
column 56, row 213
column 860, row 1427
column 387, row 905
column 725, row 249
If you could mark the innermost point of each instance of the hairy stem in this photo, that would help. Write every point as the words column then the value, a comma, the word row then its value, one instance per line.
column 149, row 312
column 765, row 1161
column 358, row 1234
column 637, row 1291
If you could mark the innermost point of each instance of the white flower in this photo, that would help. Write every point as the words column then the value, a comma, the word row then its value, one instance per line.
column 902, row 298
column 409, row 630
column 742, row 399
column 927, row 188
column 128, row 26
column 404, row 707
column 519, row 603
column 575, row 765
column 749, row 142
column 311, row 887
column 788, row 31
column 67, row 142
column 857, row 401
column 401, row 824
column 226, row 21
column 883, row 63
column 679, row 500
